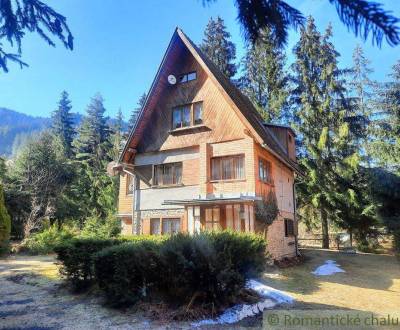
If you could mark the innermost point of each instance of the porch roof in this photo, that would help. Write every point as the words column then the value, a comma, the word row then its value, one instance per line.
column 210, row 201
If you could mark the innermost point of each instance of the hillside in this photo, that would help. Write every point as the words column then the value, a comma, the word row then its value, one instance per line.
column 16, row 128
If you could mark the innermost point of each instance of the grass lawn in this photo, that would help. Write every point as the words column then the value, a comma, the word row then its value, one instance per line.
column 370, row 282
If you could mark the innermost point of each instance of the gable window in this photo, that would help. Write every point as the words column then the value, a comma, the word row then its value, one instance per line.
column 227, row 168
column 264, row 170
column 168, row 174
column 289, row 227
column 129, row 184
column 171, row 226
column 187, row 115
column 188, row 77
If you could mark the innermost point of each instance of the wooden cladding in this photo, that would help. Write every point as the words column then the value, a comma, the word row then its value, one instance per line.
column 227, row 168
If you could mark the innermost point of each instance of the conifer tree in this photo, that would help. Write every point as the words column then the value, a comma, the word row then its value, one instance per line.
column 5, row 223
column 264, row 80
column 93, row 141
column 136, row 111
column 117, row 136
column 333, row 186
column 385, row 146
column 217, row 46
column 62, row 124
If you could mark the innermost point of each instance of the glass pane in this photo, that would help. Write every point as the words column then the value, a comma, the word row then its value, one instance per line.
column 158, row 174
column 167, row 177
column 178, row 174
column 215, row 169
column 239, row 168
column 130, row 184
column 191, row 76
column 227, row 167
column 186, row 116
column 198, row 113
column 176, row 118
column 171, row 226
column 183, row 78
column 155, row 226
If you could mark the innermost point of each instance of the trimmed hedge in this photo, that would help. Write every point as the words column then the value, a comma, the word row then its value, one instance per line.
column 210, row 267
column 76, row 257
column 126, row 272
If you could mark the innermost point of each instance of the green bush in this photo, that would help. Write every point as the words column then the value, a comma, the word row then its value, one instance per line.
column 208, row 267
column 76, row 257
column 128, row 271
column 101, row 228
column 5, row 224
column 45, row 241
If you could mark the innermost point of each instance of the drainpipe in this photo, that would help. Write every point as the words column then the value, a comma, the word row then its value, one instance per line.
column 134, row 225
column 295, row 218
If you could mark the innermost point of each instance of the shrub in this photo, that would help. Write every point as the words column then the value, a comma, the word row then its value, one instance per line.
column 5, row 224
column 101, row 228
column 76, row 257
column 45, row 241
column 128, row 271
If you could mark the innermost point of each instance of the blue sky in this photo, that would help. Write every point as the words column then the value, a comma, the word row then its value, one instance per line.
column 119, row 45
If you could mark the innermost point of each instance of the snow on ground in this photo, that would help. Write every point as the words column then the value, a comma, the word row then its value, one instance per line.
column 330, row 267
column 272, row 297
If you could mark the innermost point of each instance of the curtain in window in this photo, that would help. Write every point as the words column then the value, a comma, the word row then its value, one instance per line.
column 176, row 118
column 171, row 226
column 216, row 169
column 177, row 174
column 198, row 113
column 186, row 116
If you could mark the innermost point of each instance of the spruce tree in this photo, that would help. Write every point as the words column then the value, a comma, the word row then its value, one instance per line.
column 217, row 46
column 63, row 124
column 385, row 144
column 136, row 111
column 264, row 80
column 117, row 135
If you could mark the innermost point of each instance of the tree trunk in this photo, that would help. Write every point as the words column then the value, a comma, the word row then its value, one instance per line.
column 325, row 232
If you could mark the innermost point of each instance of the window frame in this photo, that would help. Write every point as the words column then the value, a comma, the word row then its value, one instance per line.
column 127, row 191
column 191, row 107
column 184, row 77
column 289, row 230
column 221, row 168
column 267, row 163
column 170, row 219
column 155, row 182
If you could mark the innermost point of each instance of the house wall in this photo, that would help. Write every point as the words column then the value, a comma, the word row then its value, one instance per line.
column 124, row 200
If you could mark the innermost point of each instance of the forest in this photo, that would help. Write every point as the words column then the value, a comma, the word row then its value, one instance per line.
column 348, row 140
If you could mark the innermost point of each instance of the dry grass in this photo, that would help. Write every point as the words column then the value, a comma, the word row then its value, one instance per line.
column 371, row 282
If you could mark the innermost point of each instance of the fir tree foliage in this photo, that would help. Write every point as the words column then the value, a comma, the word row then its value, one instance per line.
column 264, row 79
column 18, row 17
column 218, row 47
column 63, row 125
column 136, row 111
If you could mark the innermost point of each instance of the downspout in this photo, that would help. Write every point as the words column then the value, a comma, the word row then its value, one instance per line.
column 134, row 229
column 295, row 218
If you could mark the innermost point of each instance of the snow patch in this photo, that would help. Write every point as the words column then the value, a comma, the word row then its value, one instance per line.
column 234, row 314
column 329, row 268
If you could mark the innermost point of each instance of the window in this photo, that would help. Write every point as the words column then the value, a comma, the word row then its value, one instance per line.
column 264, row 171
column 198, row 113
column 227, row 168
column 155, row 226
column 212, row 218
column 188, row 77
column 129, row 184
column 167, row 174
column 187, row 115
column 171, row 226
column 181, row 117
column 289, row 227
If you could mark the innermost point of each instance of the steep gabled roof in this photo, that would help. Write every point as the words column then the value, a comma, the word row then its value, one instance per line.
column 240, row 102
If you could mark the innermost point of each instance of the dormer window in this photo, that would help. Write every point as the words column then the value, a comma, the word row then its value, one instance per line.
column 188, row 77
column 188, row 115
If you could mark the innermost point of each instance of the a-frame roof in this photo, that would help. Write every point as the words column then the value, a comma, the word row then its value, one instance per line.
column 240, row 103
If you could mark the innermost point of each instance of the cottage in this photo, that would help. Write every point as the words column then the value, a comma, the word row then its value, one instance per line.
column 200, row 156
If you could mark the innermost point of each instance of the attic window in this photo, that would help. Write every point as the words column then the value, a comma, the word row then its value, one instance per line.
column 188, row 77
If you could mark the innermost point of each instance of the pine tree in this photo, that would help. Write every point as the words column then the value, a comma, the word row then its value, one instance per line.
column 217, row 46
column 264, row 80
column 5, row 223
column 385, row 146
column 63, row 125
column 136, row 111
column 117, row 136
